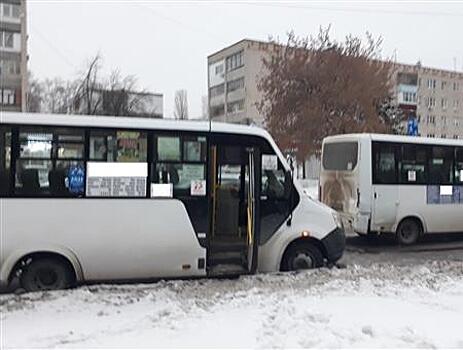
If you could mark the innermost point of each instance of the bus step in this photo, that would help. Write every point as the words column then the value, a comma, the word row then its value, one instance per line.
column 217, row 247
column 220, row 258
column 227, row 270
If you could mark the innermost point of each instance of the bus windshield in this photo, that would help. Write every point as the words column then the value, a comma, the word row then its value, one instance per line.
column 340, row 156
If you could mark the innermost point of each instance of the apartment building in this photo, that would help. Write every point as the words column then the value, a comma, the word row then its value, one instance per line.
column 434, row 96
column 13, row 55
column 233, row 76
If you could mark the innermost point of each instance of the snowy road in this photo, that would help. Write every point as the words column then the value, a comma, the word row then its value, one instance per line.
column 382, row 305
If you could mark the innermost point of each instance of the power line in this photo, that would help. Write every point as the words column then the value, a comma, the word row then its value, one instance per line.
column 173, row 20
column 369, row 11
column 53, row 47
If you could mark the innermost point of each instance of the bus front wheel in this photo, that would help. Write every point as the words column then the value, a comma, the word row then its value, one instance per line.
column 408, row 232
column 46, row 274
column 302, row 256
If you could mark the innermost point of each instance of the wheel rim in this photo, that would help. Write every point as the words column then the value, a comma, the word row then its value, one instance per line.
column 408, row 232
column 302, row 261
column 46, row 278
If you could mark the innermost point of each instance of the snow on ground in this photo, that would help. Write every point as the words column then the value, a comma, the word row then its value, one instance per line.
column 377, row 306
column 310, row 187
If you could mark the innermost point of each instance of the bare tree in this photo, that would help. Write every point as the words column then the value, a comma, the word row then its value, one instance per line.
column 34, row 95
column 91, row 94
column 88, row 97
column 181, row 105
column 50, row 95
column 204, row 107
column 316, row 86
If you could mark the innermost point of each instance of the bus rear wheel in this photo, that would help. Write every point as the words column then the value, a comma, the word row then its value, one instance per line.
column 46, row 274
column 408, row 232
column 302, row 256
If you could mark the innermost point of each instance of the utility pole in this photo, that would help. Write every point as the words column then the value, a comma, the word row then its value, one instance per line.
column 24, row 56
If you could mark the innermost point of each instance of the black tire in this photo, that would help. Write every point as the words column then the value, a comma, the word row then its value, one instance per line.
column 302, row 256
column 46, row 274
column 408, row 232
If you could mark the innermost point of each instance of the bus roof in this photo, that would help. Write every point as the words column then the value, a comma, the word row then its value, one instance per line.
column 394, row 138
column 127, row 123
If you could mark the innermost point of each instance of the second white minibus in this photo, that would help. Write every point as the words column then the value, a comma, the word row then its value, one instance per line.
column 85, row 199
column 398, row 184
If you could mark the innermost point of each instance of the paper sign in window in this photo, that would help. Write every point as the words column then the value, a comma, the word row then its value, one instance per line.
column 411, row 175
column 446, row 190
column 116, row 179
column 269, row 162
column 198, row 188
column 162, row 190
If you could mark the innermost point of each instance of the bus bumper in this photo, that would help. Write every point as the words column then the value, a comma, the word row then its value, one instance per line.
column 334, row 244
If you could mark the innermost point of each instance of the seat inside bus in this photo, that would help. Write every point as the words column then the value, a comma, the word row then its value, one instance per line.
column 30, row 181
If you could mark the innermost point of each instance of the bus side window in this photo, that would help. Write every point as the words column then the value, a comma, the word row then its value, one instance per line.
column 412, row 164
column 118, row 146
column 441, row 165
column 275, row 204
column 50, row 162
column 181, row 162
column 34, row 162
column 459, row 165
column 385, row 165
column 5, row 161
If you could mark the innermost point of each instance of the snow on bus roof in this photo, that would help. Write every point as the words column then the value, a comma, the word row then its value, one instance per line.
column 394, row 138
column 127, row 122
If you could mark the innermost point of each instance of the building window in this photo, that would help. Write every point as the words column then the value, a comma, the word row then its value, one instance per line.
column 235, row 61
column 430, row 119
column 430, row 102
column 456, row 104
column 217, row 90
column 10, row 10
column 444, row 103
column 7, row 97
column 409, row 96
column 443, row 85
column 219, row 69
column 6, row 39
column 235, row 85
column 16, row 11
column 235, row 106
column 10, row 67
column 456, row 86
column 7, row 10
column 218, row 110
column 432, row 83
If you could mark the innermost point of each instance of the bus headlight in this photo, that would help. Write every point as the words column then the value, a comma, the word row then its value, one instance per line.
column 337, row 219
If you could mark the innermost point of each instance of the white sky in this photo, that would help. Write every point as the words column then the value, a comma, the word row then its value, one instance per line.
column 166, row 43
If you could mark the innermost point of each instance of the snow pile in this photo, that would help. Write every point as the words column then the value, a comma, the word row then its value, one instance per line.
column 379, row 306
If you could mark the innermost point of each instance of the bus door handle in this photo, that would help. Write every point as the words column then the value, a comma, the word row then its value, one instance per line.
column 376, row 195
column 358, row 197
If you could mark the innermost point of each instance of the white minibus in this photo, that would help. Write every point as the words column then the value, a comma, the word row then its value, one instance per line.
column 86, row 199
column 396, row 184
